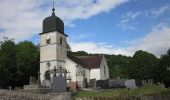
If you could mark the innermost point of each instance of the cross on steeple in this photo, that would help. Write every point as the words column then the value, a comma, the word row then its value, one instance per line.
column 53, row 3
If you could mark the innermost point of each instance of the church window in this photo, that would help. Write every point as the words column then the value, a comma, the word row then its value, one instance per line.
column 61, row 40
column 48, row 40
column 104, row 70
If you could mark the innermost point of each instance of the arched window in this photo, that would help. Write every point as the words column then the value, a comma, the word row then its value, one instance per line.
column 61, row 40
column 48, row 40
column 104, row 70
column 47, row 75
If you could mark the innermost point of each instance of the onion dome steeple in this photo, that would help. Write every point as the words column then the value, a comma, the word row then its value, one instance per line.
column 53, row 23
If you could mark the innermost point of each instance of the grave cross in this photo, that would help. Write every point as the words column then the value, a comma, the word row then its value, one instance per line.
column 39, row 81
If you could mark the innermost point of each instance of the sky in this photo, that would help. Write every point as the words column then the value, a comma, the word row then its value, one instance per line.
column 94, row 26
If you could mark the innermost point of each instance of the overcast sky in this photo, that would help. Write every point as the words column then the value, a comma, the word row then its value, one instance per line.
column 95, row 26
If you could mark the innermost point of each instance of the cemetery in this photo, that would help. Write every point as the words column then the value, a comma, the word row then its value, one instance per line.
column 56, row 73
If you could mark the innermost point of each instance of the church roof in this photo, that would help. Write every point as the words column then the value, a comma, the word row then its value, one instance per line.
column 53, row 23
column 92, row 62
column 89, row 62
column 76, row 60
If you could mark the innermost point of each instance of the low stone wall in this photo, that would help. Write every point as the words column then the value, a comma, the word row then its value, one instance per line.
column 17, row 95
column 162, row 96
column 107, row 98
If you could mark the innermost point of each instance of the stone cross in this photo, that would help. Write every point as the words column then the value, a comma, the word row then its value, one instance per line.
column 39, row 81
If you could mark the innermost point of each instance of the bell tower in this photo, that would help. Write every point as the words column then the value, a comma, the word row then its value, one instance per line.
column 53, row 45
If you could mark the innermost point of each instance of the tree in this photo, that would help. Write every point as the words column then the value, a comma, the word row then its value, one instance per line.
column 117, row 65
column 164, row 69
column 143, row 66
column 27, row 61
column 17, row 63
column 78, row 53
column 7, row 63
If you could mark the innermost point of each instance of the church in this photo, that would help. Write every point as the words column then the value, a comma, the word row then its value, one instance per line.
column 53, row 54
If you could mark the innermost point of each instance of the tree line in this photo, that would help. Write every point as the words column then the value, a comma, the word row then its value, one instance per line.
column 20, row 61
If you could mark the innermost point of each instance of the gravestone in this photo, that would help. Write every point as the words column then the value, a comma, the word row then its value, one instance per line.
column 117, row 83
column 59, row 81
column 32, row 80
column 150, row 81
column 130, row 84
column 59, row 84
column 92, row 83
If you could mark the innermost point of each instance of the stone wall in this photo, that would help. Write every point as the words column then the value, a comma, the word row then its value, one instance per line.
column 16, row 95
column 162, row 96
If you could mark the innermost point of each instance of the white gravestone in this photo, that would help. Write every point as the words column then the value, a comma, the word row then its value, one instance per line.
column 131, row 84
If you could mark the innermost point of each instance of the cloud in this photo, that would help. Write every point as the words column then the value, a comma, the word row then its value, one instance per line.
column 159, row 11
column 91, row 47
column 82, row 36
column 128, row 17
column 21, row 19
column 156, row 12
column 131, row 15
column 156, row 42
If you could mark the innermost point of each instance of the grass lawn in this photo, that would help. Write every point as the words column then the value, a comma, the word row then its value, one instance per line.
column 149, row 89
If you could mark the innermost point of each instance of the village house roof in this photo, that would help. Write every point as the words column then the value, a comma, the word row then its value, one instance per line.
column 89, row 62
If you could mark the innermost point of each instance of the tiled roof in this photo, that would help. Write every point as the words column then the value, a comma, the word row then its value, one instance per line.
column 90, row 62
column 76, row 60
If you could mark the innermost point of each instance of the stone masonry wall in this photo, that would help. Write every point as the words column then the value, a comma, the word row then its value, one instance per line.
column 16, row 95
column 161, row 96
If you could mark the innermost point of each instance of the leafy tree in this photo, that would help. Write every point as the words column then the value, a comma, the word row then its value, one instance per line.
column 164, row 69
column 17, row 63
column 143, row 66
column 117, row 65
column 27, row 60
column 78, row 53
column 7, row 63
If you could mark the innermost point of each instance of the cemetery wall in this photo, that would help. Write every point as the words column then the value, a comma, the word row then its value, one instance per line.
column 161, row 96
column 16, row 95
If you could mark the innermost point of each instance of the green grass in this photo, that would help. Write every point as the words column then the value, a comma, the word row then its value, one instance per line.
column 149, row 89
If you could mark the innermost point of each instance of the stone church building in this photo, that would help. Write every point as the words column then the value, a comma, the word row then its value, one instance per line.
column 53, row 54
